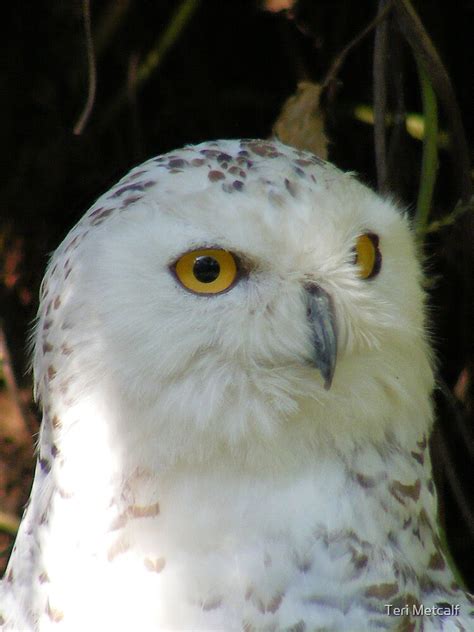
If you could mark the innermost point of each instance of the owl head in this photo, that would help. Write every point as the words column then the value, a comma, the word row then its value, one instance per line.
column 231, row 294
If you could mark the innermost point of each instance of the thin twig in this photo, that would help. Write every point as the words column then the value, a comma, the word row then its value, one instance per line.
column 399, row 124
column 448, row 220
column 429, row 164
column 456, row 487
column 110, row 22
column 92, row 72
column 426, row 53
column 341, row 57
column 156, row 55
column 136, row 135
column 380, row 98
column 10, row 381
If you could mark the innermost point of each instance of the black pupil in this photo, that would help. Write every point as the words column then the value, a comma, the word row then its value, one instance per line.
column 206, row 269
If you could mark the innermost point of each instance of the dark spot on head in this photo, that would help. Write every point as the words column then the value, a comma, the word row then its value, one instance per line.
column 72, row 243
column 214, row 175
column 106, row 212
column 237, row 185
column 198, row 162
column 51, row 372
column 210, row 153
column 131, row 199
column 262, row 148
column 95, row 213
column 177, row 163
column 57, row 302
column 237, row 171
column 245, row 162
column 136, row 186
column 223, row 157
column 134, row 176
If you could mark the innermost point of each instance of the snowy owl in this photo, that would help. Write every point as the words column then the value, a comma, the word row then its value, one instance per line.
column 235, row 379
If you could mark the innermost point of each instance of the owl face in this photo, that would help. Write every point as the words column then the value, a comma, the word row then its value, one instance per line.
column 245, row 283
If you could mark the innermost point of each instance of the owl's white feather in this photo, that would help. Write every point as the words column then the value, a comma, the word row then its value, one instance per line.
column 193, row 471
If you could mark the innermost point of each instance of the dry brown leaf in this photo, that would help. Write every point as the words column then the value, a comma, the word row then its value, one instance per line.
column 301, row 122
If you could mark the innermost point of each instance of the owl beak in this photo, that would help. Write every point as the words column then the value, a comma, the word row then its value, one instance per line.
column 320, row 315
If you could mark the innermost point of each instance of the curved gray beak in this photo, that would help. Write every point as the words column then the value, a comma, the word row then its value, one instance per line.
column 320, row 315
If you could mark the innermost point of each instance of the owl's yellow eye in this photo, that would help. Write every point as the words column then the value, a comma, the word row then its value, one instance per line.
column 206, row 271
column 367, row 255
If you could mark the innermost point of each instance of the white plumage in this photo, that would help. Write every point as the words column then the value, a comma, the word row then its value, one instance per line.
column 250, row 459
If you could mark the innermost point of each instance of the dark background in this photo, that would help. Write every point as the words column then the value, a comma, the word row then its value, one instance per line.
column 226, row 75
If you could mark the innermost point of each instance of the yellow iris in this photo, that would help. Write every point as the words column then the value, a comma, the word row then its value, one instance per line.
column 367, row 255
column 206, row 271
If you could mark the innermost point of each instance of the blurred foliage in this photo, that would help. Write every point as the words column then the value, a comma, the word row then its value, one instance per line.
column 170, row 72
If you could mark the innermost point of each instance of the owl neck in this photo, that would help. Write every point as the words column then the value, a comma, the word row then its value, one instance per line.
column 83, row 467
column 358, row 506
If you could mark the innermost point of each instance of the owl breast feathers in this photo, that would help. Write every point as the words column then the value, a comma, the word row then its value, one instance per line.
column 235, row 378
